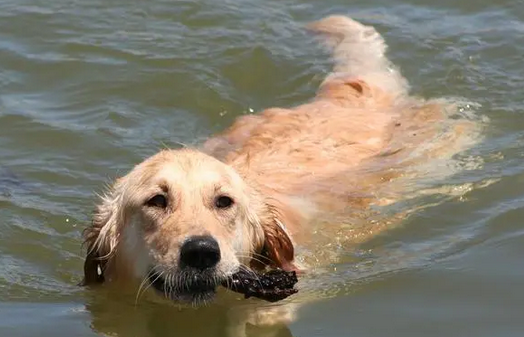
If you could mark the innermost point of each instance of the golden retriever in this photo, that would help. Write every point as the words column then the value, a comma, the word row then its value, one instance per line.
column 185, row 220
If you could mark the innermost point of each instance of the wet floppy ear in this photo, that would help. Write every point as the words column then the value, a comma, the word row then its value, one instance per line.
column 102, row 236
column 278, row 247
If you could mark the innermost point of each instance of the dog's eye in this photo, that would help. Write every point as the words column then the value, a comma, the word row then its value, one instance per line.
column 223, row 201
column 158, row 200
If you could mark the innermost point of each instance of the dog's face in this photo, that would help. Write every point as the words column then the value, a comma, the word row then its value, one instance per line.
column 183, row 221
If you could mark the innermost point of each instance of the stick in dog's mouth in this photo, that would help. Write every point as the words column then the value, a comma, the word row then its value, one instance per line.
column 272, row 286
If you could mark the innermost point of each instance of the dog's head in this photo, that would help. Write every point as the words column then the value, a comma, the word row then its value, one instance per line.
column 185, row 222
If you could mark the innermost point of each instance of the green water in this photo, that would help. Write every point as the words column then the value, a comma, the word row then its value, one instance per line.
column 89, row 88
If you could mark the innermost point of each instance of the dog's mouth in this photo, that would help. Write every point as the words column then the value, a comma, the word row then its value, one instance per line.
column 188, row 286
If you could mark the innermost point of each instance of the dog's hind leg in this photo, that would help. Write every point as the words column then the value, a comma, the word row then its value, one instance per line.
column 359, row 53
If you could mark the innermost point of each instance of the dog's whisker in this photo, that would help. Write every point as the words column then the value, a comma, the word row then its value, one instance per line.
column 142, row 284
column 166, row 293
column 255, row 257
column 171, row 281
column 145, row 285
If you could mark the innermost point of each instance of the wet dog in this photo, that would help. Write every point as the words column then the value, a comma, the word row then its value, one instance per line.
column 186, row 220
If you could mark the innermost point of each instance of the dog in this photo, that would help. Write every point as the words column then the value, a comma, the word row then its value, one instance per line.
column 183, row 221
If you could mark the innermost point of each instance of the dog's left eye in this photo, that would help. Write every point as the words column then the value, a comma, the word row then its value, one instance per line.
column 158, row 200
column 223, row 201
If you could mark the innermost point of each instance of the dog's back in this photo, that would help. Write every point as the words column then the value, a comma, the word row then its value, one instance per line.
column 345, row 149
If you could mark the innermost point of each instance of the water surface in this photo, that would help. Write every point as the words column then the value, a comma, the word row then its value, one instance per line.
column 89, row 88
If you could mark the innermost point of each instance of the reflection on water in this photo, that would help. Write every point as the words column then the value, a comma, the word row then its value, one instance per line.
column 116, row 313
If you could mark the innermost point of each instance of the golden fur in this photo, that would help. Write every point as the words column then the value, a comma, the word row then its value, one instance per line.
column 283, row 168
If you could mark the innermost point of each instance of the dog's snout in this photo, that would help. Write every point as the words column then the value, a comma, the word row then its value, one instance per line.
column 200, row 252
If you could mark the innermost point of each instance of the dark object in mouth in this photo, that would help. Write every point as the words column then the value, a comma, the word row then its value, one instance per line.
column 272, row 286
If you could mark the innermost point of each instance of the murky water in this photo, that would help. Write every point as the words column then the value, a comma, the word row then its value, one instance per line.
column 89, row 88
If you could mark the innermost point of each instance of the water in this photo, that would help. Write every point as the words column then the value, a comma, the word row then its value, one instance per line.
column 90, row 88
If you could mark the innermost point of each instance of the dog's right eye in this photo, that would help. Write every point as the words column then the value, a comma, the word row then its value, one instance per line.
column 158, row 200
column 223, row 201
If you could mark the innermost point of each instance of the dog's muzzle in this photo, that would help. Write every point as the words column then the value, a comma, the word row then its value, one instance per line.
column 196, row 279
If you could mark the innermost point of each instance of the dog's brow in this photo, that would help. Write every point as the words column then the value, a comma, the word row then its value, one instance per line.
column 221, row 189
column 217, row 188
column 164, row 186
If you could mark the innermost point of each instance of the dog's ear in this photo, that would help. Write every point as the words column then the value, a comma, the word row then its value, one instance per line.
column 102, row 236
column 278, row 248
column 93, row 269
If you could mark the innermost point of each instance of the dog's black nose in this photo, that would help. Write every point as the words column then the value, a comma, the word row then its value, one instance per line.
column 200, row 252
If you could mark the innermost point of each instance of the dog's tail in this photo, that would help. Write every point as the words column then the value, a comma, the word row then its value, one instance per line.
column 359, row 52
